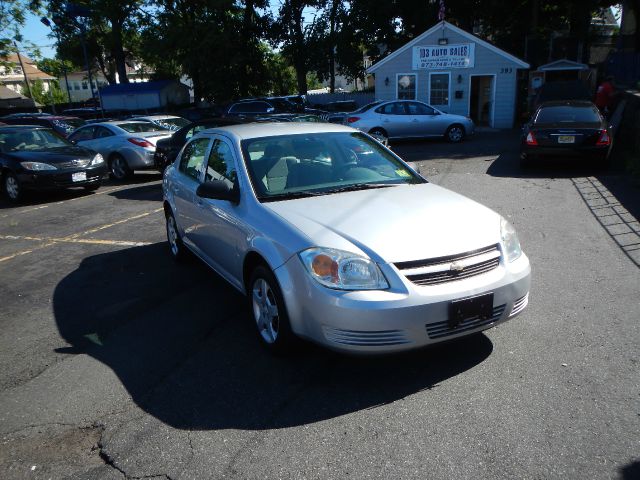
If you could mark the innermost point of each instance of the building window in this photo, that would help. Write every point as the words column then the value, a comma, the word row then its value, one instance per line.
column 439, row 93
column 17, row 70
column 76, row 86
column 406, row 86
column 85, row 86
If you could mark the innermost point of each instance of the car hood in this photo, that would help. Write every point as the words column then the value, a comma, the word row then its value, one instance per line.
column 52, row 156
column 394, row 224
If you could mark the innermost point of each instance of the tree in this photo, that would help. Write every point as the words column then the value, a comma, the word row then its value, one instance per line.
column 12, row 18
column 111, row 32
column 53, row 96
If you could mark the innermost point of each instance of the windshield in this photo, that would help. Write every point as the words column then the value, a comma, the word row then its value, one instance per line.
column 31, row 140
column 568, row 114
column 137, row 127
column 172, row 123
column 290, row 166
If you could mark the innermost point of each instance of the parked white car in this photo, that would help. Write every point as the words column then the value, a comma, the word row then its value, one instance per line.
column 126, row 145
column 409, row 119
column 333, row 238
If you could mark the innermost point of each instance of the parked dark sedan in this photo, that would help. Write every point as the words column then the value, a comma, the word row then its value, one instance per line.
column 37, row 158
column 63, row 125
column 168, row 148
column 571, row 128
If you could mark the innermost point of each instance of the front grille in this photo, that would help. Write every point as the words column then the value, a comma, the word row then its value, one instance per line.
column 519, row 305
column 375, row 338
column 79, row 163
column 443, row 329
column 440, row 270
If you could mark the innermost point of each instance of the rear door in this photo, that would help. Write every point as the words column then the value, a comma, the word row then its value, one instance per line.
column 185, row 184
column 393, row 118
column 423, row 120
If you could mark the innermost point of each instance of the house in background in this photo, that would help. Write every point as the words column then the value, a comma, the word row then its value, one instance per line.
column 454, row 71
column 12, row 75
column 79, row 81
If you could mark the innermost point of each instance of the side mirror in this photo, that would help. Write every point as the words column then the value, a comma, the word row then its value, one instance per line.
column 218, row 190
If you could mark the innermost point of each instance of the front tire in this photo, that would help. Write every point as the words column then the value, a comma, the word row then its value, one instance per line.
column 455, row 133
column 119, row 168
column 12, row 188
column 269, row 311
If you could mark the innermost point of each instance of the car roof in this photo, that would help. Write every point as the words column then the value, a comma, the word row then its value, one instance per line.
column 247, row 131
column 568, row 103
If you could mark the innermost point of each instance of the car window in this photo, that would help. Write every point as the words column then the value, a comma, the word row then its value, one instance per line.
column 416, row 108
column 220, row 165
column 82, row 134
column 102, row 132
column 567, row 114
column 199, row 128
column 193, row 157
column 394, row 108
column 137, row 127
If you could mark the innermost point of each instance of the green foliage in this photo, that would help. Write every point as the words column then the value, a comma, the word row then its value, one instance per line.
column 54, row 96
column 55, row 67
column 12, row 18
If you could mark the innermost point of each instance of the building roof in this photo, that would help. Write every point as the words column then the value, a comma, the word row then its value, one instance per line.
column 33, row 73
column 138, row 87
column 563, row 64
column 453, row 28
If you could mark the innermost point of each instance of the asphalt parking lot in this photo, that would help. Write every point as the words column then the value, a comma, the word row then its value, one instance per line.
column 116, row 362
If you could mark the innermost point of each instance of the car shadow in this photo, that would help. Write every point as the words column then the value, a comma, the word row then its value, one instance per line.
column 631, row 471
column 37, row 198
column 146, row 192
column 179, row 339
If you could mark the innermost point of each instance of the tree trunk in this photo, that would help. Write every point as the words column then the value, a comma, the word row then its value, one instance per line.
column 118, row 50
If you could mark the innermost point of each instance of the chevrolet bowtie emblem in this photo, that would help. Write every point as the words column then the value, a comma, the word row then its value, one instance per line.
column 456, row 267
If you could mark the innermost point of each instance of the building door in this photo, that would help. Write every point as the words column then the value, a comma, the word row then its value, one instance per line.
column 481, row 100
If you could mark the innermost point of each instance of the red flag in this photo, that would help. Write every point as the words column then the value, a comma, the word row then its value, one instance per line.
column 441, row 11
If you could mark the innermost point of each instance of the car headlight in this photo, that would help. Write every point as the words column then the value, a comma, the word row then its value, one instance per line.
column 342, row 270
column 510, row 241
column 37, row 166
column 97, row 160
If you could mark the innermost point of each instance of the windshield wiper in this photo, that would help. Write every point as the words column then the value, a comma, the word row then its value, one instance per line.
column 360, row 186
column 289, row 195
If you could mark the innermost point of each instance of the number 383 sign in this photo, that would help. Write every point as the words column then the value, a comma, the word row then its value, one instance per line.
column 434, row 57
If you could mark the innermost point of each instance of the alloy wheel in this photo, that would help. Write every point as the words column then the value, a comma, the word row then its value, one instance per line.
column 119, row 168
column 172, row 235
column 265, row 310
column 12, row 187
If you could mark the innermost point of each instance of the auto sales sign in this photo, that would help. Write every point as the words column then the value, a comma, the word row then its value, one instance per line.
column 435, row 57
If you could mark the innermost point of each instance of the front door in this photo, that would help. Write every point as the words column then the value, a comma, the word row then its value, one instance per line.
column 481, row 100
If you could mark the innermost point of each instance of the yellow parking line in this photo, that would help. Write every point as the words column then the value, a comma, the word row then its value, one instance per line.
column 92, row 241
column 25, row 252
column 101, row 192
column 74, row 238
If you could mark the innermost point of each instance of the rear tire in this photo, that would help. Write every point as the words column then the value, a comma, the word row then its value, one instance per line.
column 269, row 311
column 176, row 246
column 118, row 168
column 381, row 135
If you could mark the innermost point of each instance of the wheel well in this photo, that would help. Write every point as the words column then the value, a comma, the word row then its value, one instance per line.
column 251, row 261
column 457, row 125
column 167, row 208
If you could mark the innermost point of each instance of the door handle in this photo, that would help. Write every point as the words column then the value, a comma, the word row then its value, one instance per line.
column 415, row 120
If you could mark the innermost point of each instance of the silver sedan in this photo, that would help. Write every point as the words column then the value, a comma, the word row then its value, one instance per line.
column 333, row 238
column 126, row 145
column 409, row 119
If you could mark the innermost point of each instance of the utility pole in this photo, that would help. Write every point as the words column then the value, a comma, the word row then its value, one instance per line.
column 24, row 72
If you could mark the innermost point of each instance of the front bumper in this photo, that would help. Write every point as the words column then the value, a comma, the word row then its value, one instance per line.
column 56, row 179
column 404, row 317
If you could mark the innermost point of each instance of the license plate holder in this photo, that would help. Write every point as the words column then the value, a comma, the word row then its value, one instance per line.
column 566, row 139
column 79, row 176
column 480, row 306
